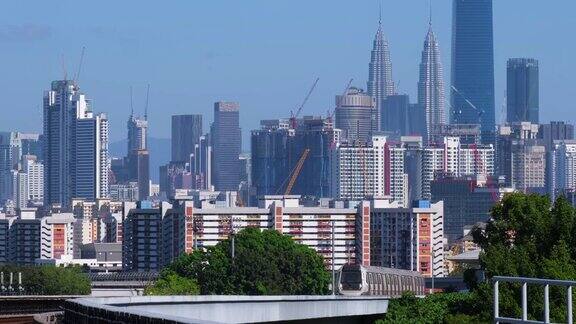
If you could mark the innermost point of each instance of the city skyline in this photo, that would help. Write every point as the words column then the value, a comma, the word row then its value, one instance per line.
column 334, row 72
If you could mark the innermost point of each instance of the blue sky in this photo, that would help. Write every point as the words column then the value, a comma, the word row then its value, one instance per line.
column 264, row 54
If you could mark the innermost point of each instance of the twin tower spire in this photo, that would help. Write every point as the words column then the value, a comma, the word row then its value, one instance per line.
column 430, row 85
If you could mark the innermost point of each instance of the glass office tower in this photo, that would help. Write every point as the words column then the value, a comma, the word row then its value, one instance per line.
column 472, row 91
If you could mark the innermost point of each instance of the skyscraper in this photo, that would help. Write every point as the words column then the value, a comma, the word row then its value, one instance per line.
column 91, row 160
column 137, row 162
column 276, row 149
column 186, row 132
column 555, row 131
column 400, row 117
column 137, row 134
column 9, row 155
column 523, row 98
column 226, row 145
column 356, row 115
column 380, row 84
column 431, row 84
column 75, row 146
column 201, row 164
column 472, row 92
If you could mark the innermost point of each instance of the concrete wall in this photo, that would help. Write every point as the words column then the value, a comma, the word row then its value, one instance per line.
column 228, row 309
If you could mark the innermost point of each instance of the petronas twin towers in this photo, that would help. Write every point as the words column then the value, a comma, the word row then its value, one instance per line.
column 431, row 84
column 431, row 95
column 380, row 84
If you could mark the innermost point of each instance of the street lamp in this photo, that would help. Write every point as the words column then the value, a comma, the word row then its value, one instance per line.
column 233, row 229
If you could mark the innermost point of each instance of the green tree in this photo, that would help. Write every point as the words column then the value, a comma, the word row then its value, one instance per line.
column 50, row 280
column 527, row 237
column 437, row 308
column 266, row 263
column 171, row 283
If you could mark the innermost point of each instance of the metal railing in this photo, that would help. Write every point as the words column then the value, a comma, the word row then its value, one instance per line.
column 533, row 281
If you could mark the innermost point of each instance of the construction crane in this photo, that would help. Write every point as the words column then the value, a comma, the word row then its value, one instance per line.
column 477, row 159
column 296, row 171
column 479, row 111
column 331, row 112
column 77, row 76
column 295, row 115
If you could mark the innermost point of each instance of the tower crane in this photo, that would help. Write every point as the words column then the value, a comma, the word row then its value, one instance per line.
column 479, row 111
column 477, row 159
column 331, row 112
column 295, row 115
column 296, row 171
column 77, row 76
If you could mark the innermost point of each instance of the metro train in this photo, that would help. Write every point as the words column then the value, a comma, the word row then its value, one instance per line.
column 358, row 280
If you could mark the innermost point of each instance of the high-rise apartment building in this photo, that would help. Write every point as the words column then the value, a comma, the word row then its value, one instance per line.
column 162, row 236
column 561, row 168
column 142, row 238
column 523, row 91
column 521, row 160
column 186, row 133
column 472, row 91
column 91, row 160
column 226, row 139
column 24, row 238
column 409, row 238
column 374, row 169
column 451, row 157
column 431, row 94
column 4, row 240
column 20, row 189
column 356, row 115
column 75, row 146
column 35, row 176
column 380, row 83
column 57, row 236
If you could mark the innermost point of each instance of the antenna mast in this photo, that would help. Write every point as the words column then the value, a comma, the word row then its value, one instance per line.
column 131, row 104
column 146, row 106
column 64, row 67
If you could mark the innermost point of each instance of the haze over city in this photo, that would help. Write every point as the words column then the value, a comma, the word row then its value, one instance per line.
column 194, row 53
column 287, row 161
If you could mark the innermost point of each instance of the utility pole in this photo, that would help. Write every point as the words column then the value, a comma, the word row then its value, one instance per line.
column 432, row 269
column 333, row 270
column 232, row 234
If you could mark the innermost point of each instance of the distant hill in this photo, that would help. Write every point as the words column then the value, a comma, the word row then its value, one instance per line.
column 159, row 153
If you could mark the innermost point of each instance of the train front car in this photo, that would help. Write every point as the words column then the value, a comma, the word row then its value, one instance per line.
column 357, row 280
column 352, row 280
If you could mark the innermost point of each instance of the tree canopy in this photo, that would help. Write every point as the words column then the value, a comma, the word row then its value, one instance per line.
column 529, row 237
column 49, row 280
column 265, row 263
column 437, row 308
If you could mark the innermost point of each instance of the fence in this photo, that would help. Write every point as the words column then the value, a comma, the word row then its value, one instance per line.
column 541, row 282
